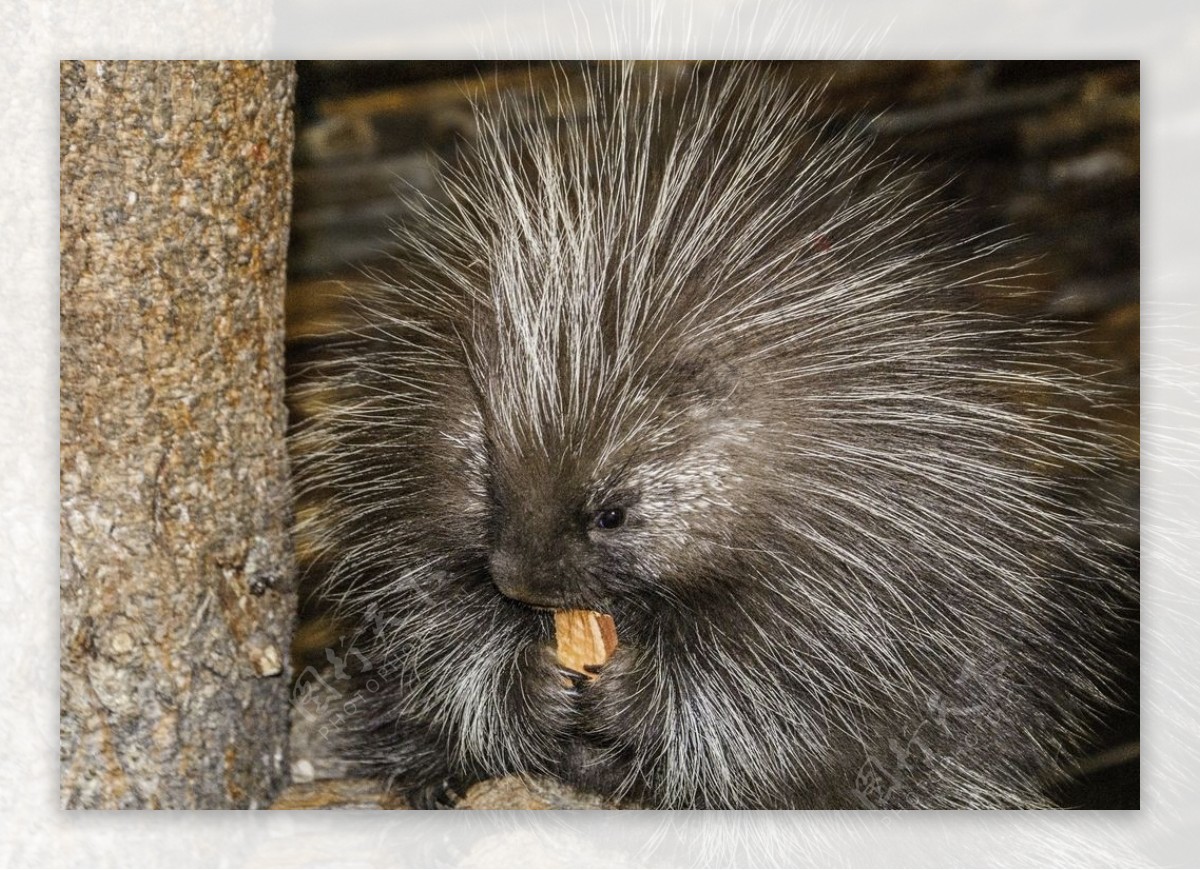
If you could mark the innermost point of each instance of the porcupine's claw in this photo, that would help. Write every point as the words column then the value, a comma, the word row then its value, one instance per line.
column 574, row 682
column 439, row 795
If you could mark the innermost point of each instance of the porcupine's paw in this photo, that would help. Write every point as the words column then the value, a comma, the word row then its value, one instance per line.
column 544, row 690
column 613, row 694
column 441, row 794
column 619, row 668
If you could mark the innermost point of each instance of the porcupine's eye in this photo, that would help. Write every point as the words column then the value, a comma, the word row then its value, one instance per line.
column 609, row 518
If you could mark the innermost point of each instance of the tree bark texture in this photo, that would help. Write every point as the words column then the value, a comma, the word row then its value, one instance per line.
column 177, row 596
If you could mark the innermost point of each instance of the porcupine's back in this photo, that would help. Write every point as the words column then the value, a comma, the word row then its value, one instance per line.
column 848, row 565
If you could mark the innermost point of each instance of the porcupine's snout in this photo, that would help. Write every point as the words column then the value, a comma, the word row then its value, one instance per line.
column 524, row 581
column 532, row 560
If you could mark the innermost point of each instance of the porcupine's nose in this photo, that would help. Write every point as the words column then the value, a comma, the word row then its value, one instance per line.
column 521, row 582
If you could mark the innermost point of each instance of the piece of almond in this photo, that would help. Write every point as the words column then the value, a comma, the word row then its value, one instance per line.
column 583, row 638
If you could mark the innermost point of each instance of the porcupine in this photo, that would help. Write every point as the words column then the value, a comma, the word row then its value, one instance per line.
column 696, row 363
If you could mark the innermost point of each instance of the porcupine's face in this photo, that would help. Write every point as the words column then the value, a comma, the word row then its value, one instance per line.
column 617, row 506
column 560, row 540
